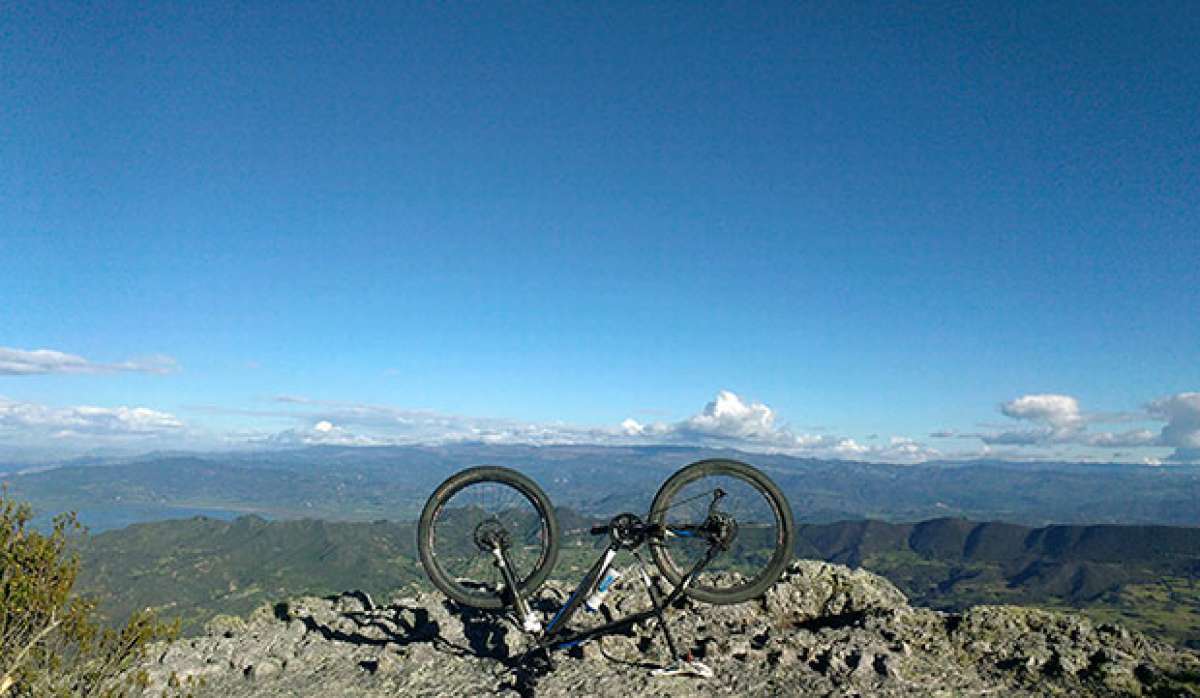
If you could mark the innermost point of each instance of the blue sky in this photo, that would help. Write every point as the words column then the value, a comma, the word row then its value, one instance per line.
column 535, row 222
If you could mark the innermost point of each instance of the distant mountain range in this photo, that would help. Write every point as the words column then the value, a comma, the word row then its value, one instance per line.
column 331, row 518
column 1143, row 576
column 366, row 483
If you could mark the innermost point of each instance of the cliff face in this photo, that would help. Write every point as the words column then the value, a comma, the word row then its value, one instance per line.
column 822, row 630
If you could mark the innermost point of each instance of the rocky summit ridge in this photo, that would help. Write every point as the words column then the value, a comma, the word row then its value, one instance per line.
column 822, row 630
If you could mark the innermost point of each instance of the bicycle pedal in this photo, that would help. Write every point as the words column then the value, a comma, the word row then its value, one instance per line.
column 684, row 667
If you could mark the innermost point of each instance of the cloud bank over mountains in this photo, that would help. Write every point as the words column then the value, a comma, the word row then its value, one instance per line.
column 726, row 421
column 1041, row 425
column 334, row 422
column 1058, row 420
column 33, row 421
column 1043, row 421
column 731, row 421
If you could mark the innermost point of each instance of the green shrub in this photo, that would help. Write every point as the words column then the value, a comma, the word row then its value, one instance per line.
column 51, row 642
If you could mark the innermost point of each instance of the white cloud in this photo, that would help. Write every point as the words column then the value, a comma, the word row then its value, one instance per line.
column 1057, row 428
column 1058, row 421
column 155, row 363
column 1053, row 426
column 1028, row 437
column 28, row 362
column 904, row 448
column 29, row 421
column 726, row 421
column 1125, row 439
column 384, row 424
column 728, row 416
column 1181, row 412
column 729, row 420
column 1059, row 411
column 322, row 433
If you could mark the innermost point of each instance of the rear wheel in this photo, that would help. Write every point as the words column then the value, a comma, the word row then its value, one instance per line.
column 733, row 509
column 470, row 513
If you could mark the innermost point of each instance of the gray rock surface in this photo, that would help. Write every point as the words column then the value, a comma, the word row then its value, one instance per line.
column 823, row 630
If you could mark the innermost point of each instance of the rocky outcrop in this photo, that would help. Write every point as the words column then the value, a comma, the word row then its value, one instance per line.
column 822, row 630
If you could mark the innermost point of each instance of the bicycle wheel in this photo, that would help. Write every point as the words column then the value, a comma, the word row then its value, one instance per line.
column 734, row 507
column 472, row 508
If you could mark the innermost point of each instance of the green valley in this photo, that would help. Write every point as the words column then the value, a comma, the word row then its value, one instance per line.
column 1142, row 576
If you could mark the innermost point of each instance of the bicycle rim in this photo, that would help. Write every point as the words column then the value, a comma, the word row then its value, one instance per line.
column 764, row 530
column 465, row 570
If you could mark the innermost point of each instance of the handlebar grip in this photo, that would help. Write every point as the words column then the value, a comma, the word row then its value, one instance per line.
column 599, row 530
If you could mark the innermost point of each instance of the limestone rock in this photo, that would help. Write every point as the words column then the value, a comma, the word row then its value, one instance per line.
column 823, row 630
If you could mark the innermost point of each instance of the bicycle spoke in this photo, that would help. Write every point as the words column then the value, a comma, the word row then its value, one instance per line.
column 746, row 506
column 493, row 506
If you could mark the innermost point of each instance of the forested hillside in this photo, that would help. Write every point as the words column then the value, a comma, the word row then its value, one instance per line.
column 1145, row 576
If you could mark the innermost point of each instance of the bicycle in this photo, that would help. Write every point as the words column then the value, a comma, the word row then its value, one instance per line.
column 720, row 531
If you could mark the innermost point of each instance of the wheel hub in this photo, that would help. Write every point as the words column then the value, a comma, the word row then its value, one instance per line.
column 721, row 528
column 491, row 534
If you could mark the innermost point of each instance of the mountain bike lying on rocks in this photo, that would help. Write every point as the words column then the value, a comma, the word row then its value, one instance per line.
column 720, row 531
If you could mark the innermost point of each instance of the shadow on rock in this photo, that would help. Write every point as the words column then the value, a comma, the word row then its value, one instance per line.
column 353, row 618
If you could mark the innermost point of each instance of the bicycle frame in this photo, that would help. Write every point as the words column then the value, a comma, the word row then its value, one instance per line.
column 554, row 636
column 705, row 537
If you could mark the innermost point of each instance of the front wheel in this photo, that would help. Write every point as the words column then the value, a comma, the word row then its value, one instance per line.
column 473, row 512
column 735, row 511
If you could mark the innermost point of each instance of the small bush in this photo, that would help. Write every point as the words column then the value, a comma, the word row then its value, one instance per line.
column 51, row 641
